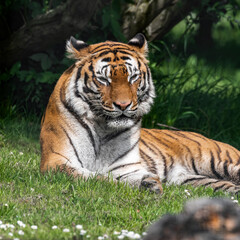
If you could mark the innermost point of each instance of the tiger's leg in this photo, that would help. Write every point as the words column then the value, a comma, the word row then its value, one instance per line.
column 57, row 162
column 205, row 181
column 216, row 184
column 141, row 178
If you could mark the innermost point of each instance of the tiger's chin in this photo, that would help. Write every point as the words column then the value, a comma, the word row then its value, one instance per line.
column 120, row 123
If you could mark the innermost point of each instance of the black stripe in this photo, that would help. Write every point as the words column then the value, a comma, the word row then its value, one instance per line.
column 158, row 140
column 165, row 163
column 110, row 45
column 86, row 89
column 59, row 154
column 70, row 109
column 225, row 167
column 114, row 51
column 153, row 166
column 194, row 166
column 184, row 136
column 125, row 58
column 228, row 155
column 227, row 187
column 126, row 63
column 199, row 136
column 169, row 134
column 122, row 166
column 207, row 184
column 216, row 144
column 77, row 93
column 172, row 161
column 74, row 149
column 147, row 146
column 106, row 59
column 219, row 187
column 126, row 152
column 126, row 174
column 192, row 179
column 124, row 52
column 213, row 167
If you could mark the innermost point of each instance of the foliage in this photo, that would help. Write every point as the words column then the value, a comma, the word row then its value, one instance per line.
column 56, row 199
column 193, row 96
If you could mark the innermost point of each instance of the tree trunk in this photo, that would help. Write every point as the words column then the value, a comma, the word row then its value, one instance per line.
column 46, row 30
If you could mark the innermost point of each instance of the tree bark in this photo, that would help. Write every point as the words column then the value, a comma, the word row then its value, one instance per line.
column 46, row 30
column 156, row 18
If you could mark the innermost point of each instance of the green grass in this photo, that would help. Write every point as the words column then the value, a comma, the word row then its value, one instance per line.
column 57, row 199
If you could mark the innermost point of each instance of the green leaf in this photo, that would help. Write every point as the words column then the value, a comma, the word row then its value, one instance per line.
column 15, row 68
column 46, row 62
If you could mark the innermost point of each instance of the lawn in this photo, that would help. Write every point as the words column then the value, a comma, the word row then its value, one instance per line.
column 32, row 203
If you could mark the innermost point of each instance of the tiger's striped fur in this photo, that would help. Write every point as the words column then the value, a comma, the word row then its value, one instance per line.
column 92, row 125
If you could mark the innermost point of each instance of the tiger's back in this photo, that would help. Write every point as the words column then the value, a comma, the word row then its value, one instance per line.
column 92, row 125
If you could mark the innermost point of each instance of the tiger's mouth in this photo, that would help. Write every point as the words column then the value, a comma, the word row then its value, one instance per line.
column 120, row 115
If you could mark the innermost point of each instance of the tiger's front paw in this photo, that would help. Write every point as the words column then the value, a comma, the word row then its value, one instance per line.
column 151, row 182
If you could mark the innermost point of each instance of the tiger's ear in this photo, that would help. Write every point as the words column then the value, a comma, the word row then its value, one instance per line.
column 140, row 43
column 76, row 49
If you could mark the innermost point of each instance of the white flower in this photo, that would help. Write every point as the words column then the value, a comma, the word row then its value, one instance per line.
column 16, row 239
column 10, row 234
column 32, row 189
column 79, row 226
column 121, row 237
column 82, row 232
column 21, row 224
column 3, row 226
column 6, row 205
column 136, row 236
column 88, row 236
column 54, row 227
column 235, row 201
column 11, row 153
column 10, row 226
column 144, row 233
column 116, row 233
column 34, row 227
column 100, row 238
column 187, row 192
column 124, row 231
column 0, row 222
column 20, row 232
column 232, row 198
column 66, row 230
column 20, row 153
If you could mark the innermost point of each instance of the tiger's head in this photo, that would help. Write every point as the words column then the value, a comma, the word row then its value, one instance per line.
column 113, row 79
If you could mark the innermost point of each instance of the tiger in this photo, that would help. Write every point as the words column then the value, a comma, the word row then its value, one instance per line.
column 92, row 126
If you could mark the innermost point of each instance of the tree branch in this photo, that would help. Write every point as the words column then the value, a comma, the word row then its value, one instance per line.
column 155, row 18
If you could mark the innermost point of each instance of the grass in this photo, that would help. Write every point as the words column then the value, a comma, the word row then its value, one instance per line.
column 56, row 199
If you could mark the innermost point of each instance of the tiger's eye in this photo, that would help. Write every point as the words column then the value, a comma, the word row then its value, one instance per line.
column 133, row 78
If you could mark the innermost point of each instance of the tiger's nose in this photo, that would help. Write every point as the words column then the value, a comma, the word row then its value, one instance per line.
column 122, row 104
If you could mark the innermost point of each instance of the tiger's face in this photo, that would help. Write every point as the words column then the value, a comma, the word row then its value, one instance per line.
column 114, row 79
